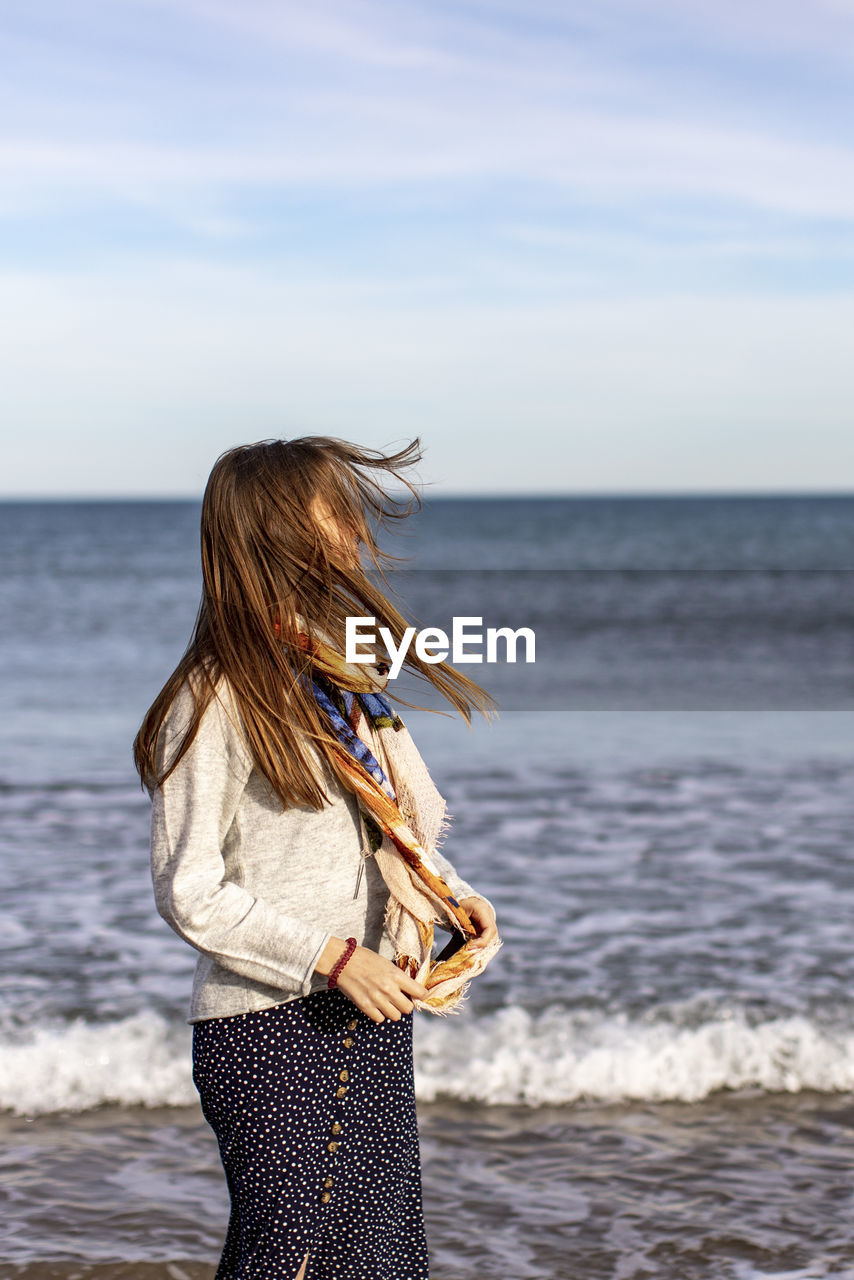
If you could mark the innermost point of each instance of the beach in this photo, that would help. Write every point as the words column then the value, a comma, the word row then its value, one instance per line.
column 742, row 1185
column 655, row 1077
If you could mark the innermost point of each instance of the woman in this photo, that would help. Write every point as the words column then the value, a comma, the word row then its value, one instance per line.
column 294, row 845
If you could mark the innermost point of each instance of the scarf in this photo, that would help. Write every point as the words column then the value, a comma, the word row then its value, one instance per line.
column 405, row 818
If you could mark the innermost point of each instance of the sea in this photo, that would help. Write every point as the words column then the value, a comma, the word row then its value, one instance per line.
column 655, row 1076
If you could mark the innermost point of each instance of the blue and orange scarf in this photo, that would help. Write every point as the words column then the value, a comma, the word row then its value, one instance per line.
column 362, row 722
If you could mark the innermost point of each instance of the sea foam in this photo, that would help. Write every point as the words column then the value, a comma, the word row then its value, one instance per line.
column 556, row 1057
column 138, row 1061
column 562, row 1056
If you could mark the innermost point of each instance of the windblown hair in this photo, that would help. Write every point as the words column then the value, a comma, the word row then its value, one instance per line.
column 266, row 560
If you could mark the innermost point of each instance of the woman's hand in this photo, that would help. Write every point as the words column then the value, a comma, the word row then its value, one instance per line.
column 374, row 984
column 482, row 917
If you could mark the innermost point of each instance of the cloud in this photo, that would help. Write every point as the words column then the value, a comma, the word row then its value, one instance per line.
column 360, row 95
column 770, row 28
column 399, row 36
column 585, row 157
column 617, row 228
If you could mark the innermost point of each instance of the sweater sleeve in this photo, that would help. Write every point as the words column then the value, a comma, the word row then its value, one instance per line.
column 191, row 816
column 459, row 888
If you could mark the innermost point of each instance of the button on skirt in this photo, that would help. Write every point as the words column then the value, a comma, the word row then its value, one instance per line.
column 313, row 1107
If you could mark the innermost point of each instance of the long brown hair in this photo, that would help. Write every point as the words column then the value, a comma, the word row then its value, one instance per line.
column 266, row 560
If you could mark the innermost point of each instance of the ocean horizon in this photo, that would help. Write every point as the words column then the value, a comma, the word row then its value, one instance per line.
column 656, row 1074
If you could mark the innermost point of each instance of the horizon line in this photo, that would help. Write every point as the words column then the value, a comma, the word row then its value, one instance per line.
column 459, row 495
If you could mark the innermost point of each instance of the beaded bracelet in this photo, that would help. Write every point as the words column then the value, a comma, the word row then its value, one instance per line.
column 336, row 972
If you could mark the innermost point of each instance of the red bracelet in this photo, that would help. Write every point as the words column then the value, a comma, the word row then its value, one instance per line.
column 336, row 972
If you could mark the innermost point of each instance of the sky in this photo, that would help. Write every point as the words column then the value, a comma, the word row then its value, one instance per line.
column 574, row 247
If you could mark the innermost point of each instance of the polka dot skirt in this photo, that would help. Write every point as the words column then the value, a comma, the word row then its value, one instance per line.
column 313, row 1107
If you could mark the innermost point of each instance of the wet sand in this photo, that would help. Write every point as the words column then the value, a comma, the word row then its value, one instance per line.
column 738, row 1186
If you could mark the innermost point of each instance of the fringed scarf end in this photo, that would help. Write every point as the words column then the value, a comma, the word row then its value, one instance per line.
column 444, row 829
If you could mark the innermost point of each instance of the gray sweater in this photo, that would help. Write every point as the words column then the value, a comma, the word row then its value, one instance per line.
column 256, row 888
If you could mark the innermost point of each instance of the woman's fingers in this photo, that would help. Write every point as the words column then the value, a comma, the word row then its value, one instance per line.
column 390, row 1009
column 385, row 1006
column 413, row 988
column 489, row 934
column 378, row 987
column 482, row 917
column 397, row 1001
column 367, row 1003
